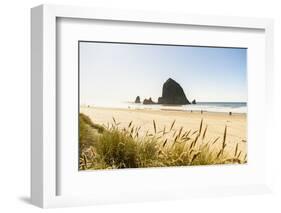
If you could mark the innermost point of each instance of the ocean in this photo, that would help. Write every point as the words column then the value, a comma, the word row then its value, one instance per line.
column 235, row 107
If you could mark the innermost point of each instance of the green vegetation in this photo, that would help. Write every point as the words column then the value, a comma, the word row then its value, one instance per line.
column 113, row 147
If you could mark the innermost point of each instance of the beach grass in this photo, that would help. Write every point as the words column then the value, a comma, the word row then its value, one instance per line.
column 116, row 147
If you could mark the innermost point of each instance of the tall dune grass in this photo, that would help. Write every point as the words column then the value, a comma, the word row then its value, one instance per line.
column 114, row 147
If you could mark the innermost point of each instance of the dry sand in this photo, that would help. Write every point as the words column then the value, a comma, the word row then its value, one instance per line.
column 216, row 121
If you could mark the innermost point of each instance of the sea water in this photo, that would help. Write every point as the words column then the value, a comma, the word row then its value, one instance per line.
column 234, row 107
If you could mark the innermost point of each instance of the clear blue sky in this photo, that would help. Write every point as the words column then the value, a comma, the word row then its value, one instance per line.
column 111, row 72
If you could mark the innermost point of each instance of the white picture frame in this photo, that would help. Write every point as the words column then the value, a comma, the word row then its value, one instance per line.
column 44, row 83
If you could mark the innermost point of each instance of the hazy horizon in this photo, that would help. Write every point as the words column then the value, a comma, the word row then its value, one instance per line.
column 115, row 72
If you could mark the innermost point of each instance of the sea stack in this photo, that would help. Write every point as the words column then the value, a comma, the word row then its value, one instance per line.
column 148, row 101
column 194, row 101
column 172, row 93
column 137, row 101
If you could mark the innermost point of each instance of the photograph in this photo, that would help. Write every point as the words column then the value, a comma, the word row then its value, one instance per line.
column 147, row 105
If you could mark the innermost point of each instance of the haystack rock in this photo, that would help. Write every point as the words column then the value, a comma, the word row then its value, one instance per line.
column 172, row 93
column 148, row 101
column 137, row 101
column 194, row 101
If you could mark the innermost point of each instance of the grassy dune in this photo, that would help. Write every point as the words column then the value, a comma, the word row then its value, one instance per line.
column 114, row 147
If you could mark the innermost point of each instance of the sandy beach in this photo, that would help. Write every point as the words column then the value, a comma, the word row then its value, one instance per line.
column 216, row 121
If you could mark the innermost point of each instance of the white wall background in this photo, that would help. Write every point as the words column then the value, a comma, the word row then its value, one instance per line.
column 15, row 104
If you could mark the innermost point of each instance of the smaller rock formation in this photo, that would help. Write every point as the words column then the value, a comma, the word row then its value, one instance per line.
column 194, row 101
column 137, row 101
column 148, row 101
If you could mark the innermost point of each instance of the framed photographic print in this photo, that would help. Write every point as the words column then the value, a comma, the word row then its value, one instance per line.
column 149, row 106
